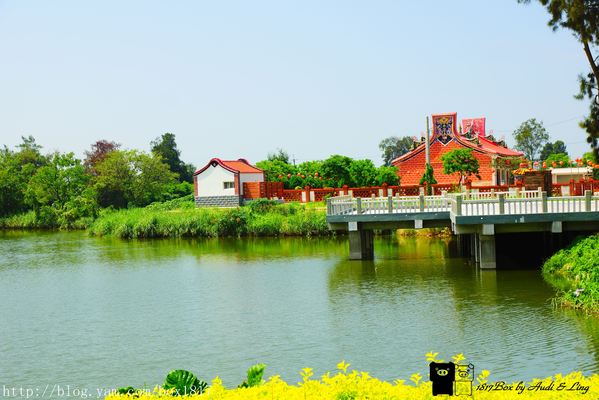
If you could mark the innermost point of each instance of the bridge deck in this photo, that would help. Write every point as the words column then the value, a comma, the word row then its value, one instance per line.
column 464, row 209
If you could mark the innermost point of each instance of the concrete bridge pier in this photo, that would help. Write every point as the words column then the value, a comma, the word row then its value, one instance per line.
column 361, row 244
column 486, row 252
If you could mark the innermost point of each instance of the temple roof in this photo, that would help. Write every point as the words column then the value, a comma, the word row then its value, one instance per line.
column 444, row 131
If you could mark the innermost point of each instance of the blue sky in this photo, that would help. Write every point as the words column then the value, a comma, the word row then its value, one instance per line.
column 241, row 78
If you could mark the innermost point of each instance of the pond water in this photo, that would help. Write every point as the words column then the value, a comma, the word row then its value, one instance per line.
column 103, row 313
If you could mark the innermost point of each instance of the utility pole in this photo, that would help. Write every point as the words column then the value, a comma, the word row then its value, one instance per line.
column 426, row 143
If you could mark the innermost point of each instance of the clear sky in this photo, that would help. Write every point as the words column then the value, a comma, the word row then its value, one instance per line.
column 241, row 78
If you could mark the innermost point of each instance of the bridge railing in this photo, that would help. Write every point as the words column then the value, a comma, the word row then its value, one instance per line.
column 341, row 205
column 481, row 204
column 503, row 205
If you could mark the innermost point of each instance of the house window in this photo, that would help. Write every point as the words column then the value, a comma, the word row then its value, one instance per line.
column 229, row 185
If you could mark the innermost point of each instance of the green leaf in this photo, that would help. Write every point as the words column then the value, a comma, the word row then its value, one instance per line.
column 254, row 376
column 184, row 383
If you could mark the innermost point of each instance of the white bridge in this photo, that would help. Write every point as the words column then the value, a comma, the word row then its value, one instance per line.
column 478, row 215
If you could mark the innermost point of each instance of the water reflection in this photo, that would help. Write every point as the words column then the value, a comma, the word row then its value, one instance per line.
column 104, row 312
column 414, row 298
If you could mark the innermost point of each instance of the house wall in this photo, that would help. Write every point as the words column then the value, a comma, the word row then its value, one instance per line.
column 249, row 178
column 412, row 169
column 210, row 182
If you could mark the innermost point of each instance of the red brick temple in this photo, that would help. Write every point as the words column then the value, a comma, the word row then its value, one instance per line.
column 444, row 138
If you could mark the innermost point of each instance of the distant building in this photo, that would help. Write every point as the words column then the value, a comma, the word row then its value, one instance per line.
column 444, row 138
column 220, row 182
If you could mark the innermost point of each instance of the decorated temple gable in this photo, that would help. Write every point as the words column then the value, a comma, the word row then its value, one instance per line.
column 445, row 137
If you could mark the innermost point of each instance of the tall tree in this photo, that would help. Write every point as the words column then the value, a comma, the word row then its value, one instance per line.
column 62, row 179
column 462, row 162
column 581, row 17
column 553, row 148
column 393, row 147
column 98, row 152
column 131, row 178
column 336, row 167
column 166, row 147
column 279, row 155
column 530, row 137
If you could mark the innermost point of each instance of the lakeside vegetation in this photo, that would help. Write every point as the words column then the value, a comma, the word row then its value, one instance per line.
column 574, row 271
column 180, row 218
column 344, row 384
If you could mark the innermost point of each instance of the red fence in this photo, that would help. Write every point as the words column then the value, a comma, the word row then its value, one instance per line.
column 254, row 190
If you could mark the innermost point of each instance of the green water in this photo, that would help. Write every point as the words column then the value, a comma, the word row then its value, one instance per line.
column 102, row 313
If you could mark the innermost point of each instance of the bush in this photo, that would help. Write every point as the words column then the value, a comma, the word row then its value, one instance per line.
column 574, row 271
column 264, row 218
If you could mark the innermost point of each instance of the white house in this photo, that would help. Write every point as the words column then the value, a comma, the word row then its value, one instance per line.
column 220, row 182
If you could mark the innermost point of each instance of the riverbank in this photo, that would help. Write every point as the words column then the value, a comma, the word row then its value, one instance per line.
column 574, row 271
column 181, row 218
column 176, row 219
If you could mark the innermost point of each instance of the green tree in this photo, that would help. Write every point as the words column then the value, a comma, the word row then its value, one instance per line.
column 16, row 170
column 530, row 137
column 273, row 169
column 589, row 156
column 336, row 167
column 166, row 147
column 561, row 160
column 362, row 173
column 581, row 17
column 460, row 161
column 57, row 191
column 279, row 155
column 553, row 148
column 386, row 174
column 12, row 184
column 429, row 178
column 132, row 178
column 393, row 147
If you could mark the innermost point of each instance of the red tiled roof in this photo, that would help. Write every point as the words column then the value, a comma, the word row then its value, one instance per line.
column 493, row 147
column 241, row 166
column 485, row 146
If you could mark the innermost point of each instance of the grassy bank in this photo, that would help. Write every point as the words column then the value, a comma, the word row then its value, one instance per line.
column 31, row 220
column 179, row 218
column 574, row 271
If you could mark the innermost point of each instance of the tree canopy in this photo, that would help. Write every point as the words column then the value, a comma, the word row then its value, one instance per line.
column 581, row 17
column 462, row 162
column 553, row 148
column 166, row 147
column 530, row 138
column 393, row 147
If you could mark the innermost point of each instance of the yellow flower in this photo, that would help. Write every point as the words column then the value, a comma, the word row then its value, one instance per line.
column 306, row 373
column 416, row 378
column 457, row 358
column 343, row 366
